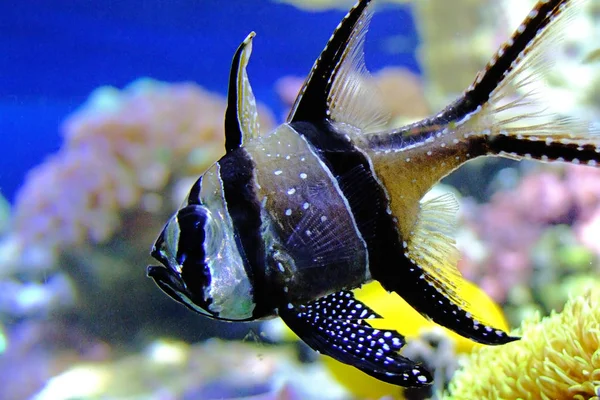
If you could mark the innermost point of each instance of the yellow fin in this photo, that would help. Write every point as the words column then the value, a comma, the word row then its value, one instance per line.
column 433, row 248
column 432, row 245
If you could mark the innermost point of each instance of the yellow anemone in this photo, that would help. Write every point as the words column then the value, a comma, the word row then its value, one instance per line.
column 557, row 358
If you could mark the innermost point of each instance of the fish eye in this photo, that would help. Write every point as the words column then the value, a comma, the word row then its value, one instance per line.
column 204, row 268
column 213, row 237
column 199, row 233
column 191, row 255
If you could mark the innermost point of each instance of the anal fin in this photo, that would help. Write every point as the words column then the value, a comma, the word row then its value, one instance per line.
column 430, row 300
column 429, row 279
column 337, row 325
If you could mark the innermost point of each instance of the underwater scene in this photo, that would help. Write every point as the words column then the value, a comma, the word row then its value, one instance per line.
column 181, row 221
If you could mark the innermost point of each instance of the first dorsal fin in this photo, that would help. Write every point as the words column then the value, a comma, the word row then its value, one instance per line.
column 241, row 117
column 338, row 86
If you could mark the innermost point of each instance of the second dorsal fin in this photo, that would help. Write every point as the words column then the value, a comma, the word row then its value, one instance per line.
column 339, row 87
column 241, row 117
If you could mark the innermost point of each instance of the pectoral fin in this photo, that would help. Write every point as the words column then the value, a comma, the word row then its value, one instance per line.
column 337, row 325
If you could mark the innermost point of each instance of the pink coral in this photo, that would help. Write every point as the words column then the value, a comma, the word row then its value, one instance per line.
column 122, row 152
column 511, row 223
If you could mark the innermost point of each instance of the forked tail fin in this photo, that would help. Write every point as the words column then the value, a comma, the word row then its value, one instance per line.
column 501, row 113
column 507, row 101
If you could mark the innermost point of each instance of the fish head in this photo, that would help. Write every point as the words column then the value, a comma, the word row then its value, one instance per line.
column 202, row 266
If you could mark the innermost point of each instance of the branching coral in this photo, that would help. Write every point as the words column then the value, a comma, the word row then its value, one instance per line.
column 118, row 149
column 557, row 358
column 95, row 207
column 122, row 152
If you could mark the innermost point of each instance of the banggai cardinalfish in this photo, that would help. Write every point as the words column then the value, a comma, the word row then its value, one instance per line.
column 289, row 222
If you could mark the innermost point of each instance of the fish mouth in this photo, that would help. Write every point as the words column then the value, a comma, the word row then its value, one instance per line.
column 170, row 283
column 166, row 281
column 163, row 277
column 154, row 271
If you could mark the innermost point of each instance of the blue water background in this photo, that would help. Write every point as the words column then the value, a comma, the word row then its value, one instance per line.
column 54, row 53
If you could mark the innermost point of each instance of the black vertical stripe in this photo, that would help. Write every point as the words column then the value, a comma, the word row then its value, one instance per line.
column 349, row 165
column 388, row 262
column 236, row 173
column 353, row 172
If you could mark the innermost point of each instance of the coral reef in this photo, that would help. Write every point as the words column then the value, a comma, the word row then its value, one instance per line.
column 35, row 351
column 557, row 358
column 84, row 219
column 526, row 244
column 122, row 151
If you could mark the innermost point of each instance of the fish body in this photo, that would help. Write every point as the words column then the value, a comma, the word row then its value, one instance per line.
column 289, row 222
